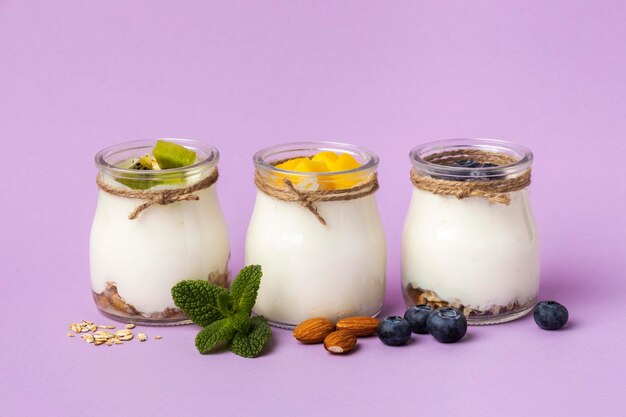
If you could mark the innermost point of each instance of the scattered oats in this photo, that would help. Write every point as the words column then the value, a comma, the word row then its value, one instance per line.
column 98, row 334
column 158, row 337
column 102, row 336
column 124, row 334
column 83, row 327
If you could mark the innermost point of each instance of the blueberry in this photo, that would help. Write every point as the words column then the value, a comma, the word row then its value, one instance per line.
column 496, row 174
column 447, row 325
column 467, row 163
column 394, row 331
column 550, row 315
column 478, row 176
column 417, row 316
column 471, row 174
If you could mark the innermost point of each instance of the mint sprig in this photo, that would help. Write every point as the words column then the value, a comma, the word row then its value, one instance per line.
column 198, row 299
column 224, row 314
column 250, row 345
column 214, row 335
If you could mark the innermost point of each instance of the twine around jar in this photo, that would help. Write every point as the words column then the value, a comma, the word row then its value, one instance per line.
column 161, row 197
column 494, row 190
column 307, row 199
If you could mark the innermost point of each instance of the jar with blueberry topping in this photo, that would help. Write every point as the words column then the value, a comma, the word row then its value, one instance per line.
column 469, row 238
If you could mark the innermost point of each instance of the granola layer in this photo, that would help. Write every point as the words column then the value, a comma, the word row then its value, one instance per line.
column 415, row 296
column 110, row 301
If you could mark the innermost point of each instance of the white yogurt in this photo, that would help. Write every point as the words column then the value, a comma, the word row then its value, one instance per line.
column 471, row 251
column 314, row 270
column 145, row 257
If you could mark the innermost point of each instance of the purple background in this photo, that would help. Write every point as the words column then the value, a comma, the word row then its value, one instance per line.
column 77, row 76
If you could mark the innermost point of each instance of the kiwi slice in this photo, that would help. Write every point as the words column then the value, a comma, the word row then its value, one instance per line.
column 172, row 155
column 144, row 163
column 137, row 184
column 167, row 155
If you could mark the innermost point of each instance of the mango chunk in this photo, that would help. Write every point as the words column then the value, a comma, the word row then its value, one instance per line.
column 291, row 164
column 308, row 165
column 327, row 157
column 346, row 180
column 325, row 161
column 344, row 162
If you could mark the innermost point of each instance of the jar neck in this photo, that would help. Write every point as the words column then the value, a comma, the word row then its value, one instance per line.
column 113, row 163
column 266, row 159
column 471, row 159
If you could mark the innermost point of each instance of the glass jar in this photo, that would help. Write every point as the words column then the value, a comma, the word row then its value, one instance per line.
column 153, row 229
column 323, row 255
column 469, row 236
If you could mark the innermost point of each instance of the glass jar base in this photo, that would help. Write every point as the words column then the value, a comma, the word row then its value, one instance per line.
column 502, row 318
column 493, row 315
column 288, row 326
column 142, row 321
column 111, row 304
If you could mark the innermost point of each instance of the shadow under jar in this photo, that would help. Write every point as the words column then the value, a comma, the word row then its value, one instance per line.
column 317, row 235
column 152, row 229
column 470, row 240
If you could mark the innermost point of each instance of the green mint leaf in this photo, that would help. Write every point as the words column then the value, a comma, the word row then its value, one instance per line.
column 245, row 288
column 215, row 334
column 198, row 299
column 250, row 345
column 225, row 304
column 241, row 321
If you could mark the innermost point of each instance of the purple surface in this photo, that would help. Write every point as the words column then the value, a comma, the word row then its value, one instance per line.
column 78, row 76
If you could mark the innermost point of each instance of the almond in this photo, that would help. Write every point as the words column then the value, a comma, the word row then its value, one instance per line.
column 313, row 330
column 359, row 326
column 341, row 341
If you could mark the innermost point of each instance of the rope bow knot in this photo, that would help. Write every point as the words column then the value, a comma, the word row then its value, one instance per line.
column 158, row 197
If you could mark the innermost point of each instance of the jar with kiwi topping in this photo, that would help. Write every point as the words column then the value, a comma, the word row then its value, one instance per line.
column 158, row 221
column 470, row 239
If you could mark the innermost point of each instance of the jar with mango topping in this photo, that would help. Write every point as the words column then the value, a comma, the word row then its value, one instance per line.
column 317, row 233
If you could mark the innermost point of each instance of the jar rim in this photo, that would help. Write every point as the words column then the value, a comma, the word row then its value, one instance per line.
column 523, row 155
column 262, row 161
column 103, row 157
